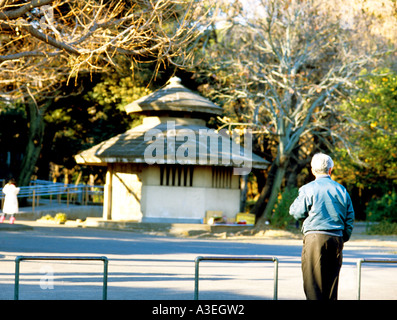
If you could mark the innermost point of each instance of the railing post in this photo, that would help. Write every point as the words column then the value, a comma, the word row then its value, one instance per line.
column 196, row 277
column 105, row 279
column 21, row 258
column 359, row 262
column 275, row 289
column 33, row 199
column 16, row 284
column 256, row 258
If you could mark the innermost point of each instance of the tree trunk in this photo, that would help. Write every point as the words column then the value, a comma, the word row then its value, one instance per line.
column 271, row 190
column 33, row 147
column 244, row 189
column 260, row 204
column 278, row 180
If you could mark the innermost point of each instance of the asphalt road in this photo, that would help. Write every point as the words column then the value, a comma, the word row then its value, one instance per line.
column 150, row 267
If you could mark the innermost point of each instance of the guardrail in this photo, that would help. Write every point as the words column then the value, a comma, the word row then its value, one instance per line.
column 360, row 262
column 234, row 258
column 196, row 276
column 68, row 193
column 24, row 258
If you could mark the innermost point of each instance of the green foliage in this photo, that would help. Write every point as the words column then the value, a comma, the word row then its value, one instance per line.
column 47, row 217
column 383, row 228
column 281, row 217
column 13, row 138
column 383, row 208
column 117, row 91
column 59, row 218
column 372, row 132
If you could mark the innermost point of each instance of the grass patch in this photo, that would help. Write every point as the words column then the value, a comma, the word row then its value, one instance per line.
column 382, row 228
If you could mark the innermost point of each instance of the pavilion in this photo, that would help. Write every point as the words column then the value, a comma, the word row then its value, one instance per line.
column 172, row 167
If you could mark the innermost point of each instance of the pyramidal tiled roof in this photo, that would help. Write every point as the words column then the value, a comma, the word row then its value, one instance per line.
column 174, row 97
column 130, row 147
column 175, row 100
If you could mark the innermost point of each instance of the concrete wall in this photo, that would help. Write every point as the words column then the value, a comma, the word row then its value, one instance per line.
column 72, row 211
column 180, row 204
column 136, row 192
column 126, row 197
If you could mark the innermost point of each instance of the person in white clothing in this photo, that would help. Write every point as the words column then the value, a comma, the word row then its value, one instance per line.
column 11, row 201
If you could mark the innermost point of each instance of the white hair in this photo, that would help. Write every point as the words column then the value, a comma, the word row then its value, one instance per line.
column 321, row 163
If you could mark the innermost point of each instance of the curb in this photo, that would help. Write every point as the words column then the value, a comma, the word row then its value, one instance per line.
column 14, row 227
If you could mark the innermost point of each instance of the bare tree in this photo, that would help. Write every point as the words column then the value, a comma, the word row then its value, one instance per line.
column 282, row 66
column 41, row 40
column 44, row 43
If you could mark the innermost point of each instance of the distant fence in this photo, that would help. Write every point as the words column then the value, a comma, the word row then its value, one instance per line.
column 60, row 192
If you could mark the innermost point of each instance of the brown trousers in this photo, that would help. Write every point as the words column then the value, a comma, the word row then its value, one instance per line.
column 321, row 263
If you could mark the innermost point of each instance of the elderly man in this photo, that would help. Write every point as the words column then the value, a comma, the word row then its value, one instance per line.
column 328, row 212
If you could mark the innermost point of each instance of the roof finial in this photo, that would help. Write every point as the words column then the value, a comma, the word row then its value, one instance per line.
column 174, row 81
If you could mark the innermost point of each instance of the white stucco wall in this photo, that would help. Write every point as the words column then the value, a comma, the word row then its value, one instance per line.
column 136, row 194
column 126, row 197
column 173, row 204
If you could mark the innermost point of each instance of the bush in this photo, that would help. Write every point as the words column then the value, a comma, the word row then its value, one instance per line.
column 60, row 217
column 383, row 228
column 383, row 208
column 281, row 217
column 46, row 217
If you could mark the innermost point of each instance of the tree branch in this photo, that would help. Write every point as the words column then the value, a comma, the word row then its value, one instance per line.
column 14, row 14
column 28, row 54
column 50, row 40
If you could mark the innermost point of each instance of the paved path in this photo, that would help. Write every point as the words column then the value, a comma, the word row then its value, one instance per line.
column 143, row 266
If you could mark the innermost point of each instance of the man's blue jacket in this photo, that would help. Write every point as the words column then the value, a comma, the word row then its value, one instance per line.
column 326, row 205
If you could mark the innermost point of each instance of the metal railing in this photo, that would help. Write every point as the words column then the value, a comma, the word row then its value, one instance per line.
column 360, row 262
column 234, row 258
column 24, row 258
column 68, row 193
column 198, row 259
